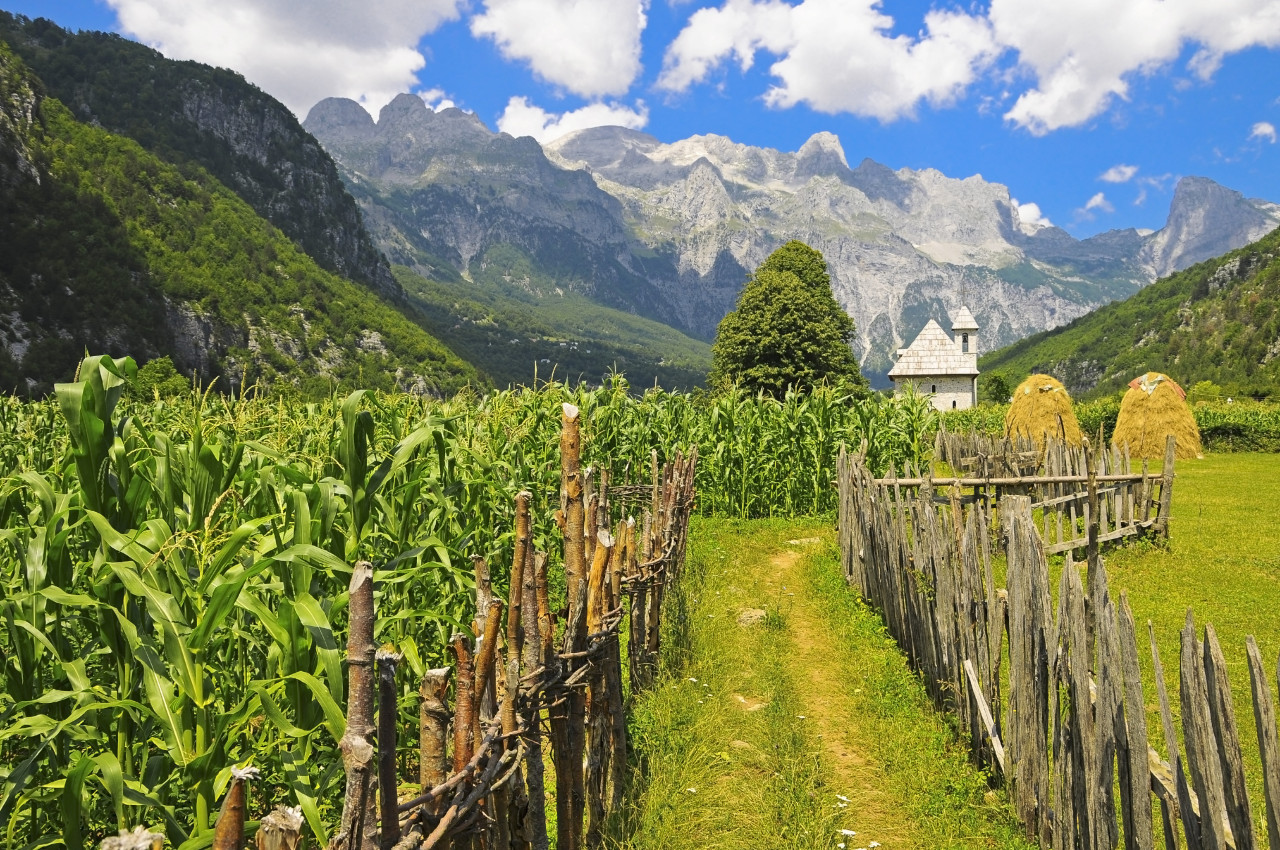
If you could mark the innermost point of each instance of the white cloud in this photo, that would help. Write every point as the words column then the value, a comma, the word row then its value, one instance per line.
column 1030, row 218
column 522, row 118
column 590, row 47
column 1072, row 59
column 1263, row 130
column 1118, row 174
column 297, row 52
column 1098, row 202
column 836, row 55
column 1084, row 53
column 436, row 100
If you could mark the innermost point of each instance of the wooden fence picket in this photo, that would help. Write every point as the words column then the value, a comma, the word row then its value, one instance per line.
column 1072, row 729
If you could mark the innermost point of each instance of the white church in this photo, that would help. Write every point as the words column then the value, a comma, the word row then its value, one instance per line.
column 944, row 367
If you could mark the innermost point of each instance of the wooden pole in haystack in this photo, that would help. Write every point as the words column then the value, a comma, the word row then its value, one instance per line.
column 387, row 659
column 358, row 829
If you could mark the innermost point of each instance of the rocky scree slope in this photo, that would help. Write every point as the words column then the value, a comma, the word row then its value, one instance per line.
column 186, row 112
column 110, row 249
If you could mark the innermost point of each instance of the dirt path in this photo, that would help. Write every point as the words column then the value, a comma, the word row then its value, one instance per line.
column 832, row 709
column 789, row 720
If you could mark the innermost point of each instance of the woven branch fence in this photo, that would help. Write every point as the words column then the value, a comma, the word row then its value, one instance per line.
column 525, row 688
column 1070, row 737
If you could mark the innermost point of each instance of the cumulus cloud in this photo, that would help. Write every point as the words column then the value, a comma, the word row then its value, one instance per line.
column 1263, row 131
column 1071, row 60
column 1097, row 202
column 1030, row 218
column 521, row 118
column 1083, row 54
column 836, row 55
column 590, row 47
column 1118, row 174
column 299, row 53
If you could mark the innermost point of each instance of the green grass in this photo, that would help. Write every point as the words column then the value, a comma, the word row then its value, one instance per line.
column 717, row 774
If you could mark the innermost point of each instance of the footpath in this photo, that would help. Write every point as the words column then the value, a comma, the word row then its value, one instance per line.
column 788, row 719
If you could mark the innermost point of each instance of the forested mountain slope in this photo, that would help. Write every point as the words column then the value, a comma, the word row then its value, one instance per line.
column 108, row 248
column 186, row 112
column 1217, row 321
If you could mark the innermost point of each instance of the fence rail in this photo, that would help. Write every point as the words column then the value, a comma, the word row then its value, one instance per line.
column 519, row 683
column 1070, row 736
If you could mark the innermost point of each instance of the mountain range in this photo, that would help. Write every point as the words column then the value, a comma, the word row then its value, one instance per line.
column 175, row 209
column 671, row 231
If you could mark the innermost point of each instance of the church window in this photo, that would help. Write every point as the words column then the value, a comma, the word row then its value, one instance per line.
column 964, row 343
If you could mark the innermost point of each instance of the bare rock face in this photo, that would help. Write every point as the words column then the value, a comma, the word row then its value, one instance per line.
column 1205, row 220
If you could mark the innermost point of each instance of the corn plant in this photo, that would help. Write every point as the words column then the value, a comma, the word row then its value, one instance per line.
column 175, row 571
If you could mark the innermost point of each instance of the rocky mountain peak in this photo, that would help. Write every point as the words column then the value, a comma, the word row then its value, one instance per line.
column 1205, row 220
column 601, row 147
column 340, row 117
column 821, row 156
column 880, row 183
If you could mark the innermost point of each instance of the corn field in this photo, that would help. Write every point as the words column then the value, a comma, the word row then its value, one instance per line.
column 175, row 571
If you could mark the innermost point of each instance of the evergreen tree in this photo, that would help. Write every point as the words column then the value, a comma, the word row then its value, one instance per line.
column 786, row 330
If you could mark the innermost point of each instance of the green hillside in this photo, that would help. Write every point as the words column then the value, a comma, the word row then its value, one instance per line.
column 1217, row 321
column 508, row 332
column 108, row 248
column 187, row 112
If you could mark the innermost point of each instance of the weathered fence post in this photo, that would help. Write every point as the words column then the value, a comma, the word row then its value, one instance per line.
column 358, row 829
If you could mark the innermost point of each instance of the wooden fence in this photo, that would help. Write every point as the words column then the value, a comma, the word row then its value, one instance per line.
column 1059, row 479
column 517, row 686
column 1070, row 737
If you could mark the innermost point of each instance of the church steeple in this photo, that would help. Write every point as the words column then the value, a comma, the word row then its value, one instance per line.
column 964, row 330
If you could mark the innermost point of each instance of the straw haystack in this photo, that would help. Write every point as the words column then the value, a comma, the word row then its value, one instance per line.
column 1152, row 409
column 1042, row 406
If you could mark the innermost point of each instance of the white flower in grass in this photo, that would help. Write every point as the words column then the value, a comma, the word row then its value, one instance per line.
column 842, row 798
column 848, row 833
column 873, row 844
column 692, row 790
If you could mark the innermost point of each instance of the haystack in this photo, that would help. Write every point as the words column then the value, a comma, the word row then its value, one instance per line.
column 1152, row 409
column 1040, row 407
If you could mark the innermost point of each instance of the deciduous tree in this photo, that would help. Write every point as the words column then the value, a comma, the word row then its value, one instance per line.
column 787, row 329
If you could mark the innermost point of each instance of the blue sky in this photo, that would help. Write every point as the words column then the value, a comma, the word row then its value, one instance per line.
column 1088, row 110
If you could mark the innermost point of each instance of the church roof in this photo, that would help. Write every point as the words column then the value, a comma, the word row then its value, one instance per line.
column 964, row 320
column 934, row 352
